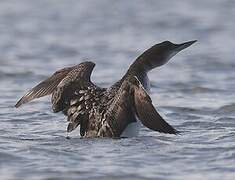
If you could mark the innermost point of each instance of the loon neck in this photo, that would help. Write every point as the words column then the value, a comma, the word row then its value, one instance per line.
column 136, row 69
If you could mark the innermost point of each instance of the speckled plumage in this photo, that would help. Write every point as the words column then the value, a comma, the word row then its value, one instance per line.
column 102, row 112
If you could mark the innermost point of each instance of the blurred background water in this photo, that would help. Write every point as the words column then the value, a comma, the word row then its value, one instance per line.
column 194, row 91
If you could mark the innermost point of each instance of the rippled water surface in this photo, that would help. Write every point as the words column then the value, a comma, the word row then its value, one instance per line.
column 194, row 91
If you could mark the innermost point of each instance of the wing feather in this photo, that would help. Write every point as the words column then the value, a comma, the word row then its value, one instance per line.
column 44, row 88
column 147, row 113
column 48, row 86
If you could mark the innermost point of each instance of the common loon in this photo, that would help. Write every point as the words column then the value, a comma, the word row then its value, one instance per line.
column 107, row 112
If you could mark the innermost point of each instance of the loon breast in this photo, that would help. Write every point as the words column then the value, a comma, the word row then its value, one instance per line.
column 132, row 129
column 146, row 83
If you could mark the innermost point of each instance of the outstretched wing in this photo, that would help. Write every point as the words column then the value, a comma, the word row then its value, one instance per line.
column 76, row 96
column 47, row 86
column 146, row 111
column 44, row 88
column 68, row 88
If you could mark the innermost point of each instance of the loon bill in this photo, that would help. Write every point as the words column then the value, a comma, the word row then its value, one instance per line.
column 102, row 112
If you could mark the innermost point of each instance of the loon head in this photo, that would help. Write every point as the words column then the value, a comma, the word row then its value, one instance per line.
column 160, row 54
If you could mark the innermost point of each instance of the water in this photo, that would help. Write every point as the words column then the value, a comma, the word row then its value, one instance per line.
column 194, row 91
